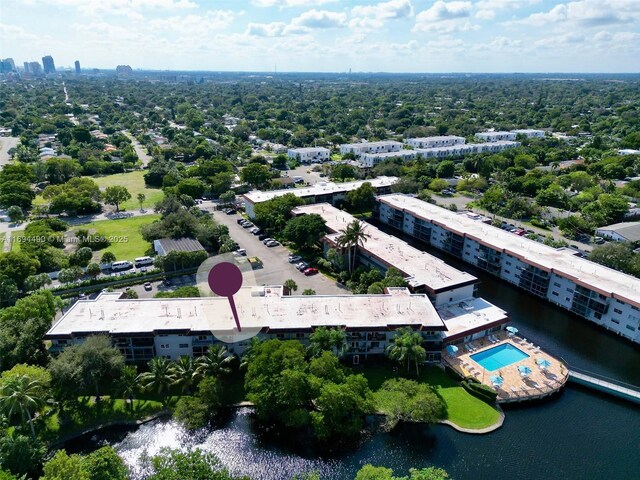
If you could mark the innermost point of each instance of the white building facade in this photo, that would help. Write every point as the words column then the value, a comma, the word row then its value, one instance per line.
column 432, row 142
column 529, row 133
column 359, row 149
column 599, row 294
column 310, row 154
column 496, row 136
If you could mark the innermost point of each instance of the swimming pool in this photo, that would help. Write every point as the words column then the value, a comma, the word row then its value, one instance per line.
column 499, row 357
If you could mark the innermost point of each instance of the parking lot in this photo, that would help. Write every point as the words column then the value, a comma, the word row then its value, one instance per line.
column 276, row 268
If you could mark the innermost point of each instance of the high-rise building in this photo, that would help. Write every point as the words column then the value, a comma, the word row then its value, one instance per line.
column 10, row 62
column 27, row 69
column 77, row 64
column 35, row 68
column 48, row 65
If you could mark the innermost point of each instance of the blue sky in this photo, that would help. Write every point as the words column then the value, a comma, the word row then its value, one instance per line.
column 328, row 35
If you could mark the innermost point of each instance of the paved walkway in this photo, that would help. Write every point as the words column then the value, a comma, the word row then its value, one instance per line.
column 6, row 144
column 141, row 151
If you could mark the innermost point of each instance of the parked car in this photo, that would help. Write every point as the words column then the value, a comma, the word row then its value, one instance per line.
column 272, row 243
column 240, row 221
column 294, row 258
column 147, row 286
column 241, row 252
column 248, row 225
column 229, row 211
column 267, row 240
column 310, row 271
column 255, row 230
column 263, row 236
column 302, row 266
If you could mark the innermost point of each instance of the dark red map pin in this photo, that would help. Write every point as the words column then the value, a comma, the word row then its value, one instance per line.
column 225, row 279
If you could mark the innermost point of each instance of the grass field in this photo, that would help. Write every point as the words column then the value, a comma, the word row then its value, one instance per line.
column 126, row 240
column 134, row 182
column 463, row 409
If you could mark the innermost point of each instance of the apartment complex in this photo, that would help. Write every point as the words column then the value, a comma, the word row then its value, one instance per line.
column 432, row 142
column 359, row 149
column 320, row 192
column 496, row 136
column 529, row 133
column 310, row 154
column 48, row 65
column 146, row 328
column 599, row 294
column 450, row 290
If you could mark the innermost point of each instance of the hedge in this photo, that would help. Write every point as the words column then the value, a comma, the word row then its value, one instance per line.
column 483, row 392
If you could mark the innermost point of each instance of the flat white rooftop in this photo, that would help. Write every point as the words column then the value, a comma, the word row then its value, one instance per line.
column 309, row 149
column 264, row 308
column 420, row 267
column 437, row 138
column 381, row 143
column 562, row 261
column 469, row 316
column 321, row 188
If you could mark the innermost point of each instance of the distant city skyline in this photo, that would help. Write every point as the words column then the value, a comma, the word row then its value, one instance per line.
column 329, row 35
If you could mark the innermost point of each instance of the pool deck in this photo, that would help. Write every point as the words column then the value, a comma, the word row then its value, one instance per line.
column 515, row 388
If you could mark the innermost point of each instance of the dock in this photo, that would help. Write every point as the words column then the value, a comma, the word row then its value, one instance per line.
column 603, row 384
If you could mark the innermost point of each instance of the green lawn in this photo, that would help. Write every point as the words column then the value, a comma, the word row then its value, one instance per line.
column 126, row 240
column 463, row 409
column 134, row 182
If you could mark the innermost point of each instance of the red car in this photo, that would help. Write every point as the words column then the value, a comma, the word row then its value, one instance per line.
column 310, row 271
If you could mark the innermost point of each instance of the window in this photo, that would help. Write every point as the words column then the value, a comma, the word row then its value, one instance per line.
column 570, row 290
column 618, row 311
column 567, row 299
column 507, row 271
column 164, row 345
column 508, row 263
column 280, row 335
column 556, row 284
column 183, row 345
column 555, row 294
column 299, row 335
column 617, row 322
column 629, row 327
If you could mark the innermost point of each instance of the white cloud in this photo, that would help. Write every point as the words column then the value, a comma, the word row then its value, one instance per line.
column 320, row 19
column 194, row 24
column 587, row 13
column 487, row 9
column 371, row 17
column 117, row 7
column 445, row 17
column 290, row 3
column 302, row 24
column 275, row 29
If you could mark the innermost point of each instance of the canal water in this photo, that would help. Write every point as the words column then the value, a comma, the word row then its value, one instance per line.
column 578, row 434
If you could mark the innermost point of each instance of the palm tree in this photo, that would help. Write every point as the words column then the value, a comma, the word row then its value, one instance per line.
column 129, row 384
column 159, row 377
column 250, row 351
column 21, row 396
column 339, row 341
column 407, row 348
column 141, row 198
column 216, row 362
column 290, row 285
column 186, row 373
column 352, row 237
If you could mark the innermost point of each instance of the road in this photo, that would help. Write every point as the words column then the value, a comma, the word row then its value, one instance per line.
column 141, row 151
column 276, row 267
column 307, row 174
column 6, row 144
column 460, row 201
